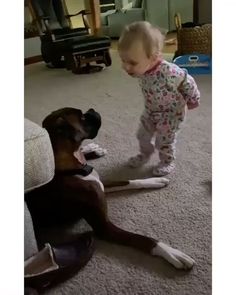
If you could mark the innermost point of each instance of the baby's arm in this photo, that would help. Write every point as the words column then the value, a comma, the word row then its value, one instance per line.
column 188, row 88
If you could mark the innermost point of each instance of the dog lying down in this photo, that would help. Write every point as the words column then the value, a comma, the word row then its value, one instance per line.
column 77, row 192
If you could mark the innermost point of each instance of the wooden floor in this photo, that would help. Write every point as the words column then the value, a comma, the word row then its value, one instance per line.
column 168, row 48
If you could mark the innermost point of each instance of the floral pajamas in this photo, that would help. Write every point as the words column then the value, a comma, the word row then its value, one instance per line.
column 162, row 141
column 167, row 91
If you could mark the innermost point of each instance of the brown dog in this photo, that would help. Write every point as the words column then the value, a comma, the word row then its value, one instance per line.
column 77, row 192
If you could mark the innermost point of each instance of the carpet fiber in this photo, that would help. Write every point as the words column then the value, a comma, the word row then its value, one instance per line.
column 179, row 214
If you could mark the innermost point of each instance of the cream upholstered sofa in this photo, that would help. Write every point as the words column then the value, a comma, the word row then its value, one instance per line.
column 38, row 170
column 127, row 11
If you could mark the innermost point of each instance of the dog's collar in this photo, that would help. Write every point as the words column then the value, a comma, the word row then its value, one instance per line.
column 85, row 170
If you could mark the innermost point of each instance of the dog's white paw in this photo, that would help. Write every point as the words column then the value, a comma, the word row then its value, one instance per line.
column 94, row 148
column 177, row 258
column 153, row 182
column 89, row 148
column 159, row 181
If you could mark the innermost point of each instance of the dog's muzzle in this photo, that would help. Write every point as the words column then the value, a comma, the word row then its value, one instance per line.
column 93, row 122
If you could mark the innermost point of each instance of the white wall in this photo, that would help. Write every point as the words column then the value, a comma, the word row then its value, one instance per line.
column 32, row 47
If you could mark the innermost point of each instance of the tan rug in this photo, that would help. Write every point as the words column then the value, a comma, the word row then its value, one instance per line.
column 179, row 214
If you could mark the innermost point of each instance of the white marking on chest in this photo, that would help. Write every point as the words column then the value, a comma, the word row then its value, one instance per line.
column 93, row 177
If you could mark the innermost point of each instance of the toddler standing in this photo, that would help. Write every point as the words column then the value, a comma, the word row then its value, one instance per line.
column 167, row 89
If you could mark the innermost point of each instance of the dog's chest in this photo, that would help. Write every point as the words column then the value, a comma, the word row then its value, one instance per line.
column 93, row 176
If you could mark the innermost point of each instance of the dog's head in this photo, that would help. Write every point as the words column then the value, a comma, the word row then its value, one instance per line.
column 73, row 124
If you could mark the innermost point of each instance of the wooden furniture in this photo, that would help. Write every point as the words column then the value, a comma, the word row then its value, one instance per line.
column 63, row 46
column 95, row 15
column 31, row 32
column 202, row 11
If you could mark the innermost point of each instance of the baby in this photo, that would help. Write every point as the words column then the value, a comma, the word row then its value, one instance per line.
column 167, row 91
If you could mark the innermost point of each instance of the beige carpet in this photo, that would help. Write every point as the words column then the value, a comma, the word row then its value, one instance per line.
column 179, row 214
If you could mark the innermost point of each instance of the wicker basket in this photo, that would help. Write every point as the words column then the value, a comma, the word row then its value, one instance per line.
column 193, row 39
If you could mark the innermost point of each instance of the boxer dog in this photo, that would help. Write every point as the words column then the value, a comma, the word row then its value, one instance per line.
column 77, row 192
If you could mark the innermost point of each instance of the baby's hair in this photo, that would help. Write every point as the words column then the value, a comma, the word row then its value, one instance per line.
column 150, row 36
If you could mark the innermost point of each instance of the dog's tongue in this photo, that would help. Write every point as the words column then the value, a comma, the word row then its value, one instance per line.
column 80, row 157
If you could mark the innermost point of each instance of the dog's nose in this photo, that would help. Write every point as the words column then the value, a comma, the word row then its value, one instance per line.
column 91, row 110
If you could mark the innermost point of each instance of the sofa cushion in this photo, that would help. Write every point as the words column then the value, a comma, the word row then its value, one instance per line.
column 39, row 159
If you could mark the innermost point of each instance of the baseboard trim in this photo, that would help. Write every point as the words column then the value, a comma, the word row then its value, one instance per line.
column 33, row 59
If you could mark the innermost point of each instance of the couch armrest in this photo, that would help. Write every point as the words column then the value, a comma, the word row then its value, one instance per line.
column 39, row 158
column 39, row 169
column 30, row 245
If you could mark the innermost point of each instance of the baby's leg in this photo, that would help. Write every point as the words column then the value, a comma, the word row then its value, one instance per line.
column 146, row 147
column 165, row 143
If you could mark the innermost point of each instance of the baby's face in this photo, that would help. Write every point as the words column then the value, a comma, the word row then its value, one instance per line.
column 135, row 61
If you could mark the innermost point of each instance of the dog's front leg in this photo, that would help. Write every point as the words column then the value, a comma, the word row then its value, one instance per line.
column 106, row 230
column 90, row 200
column 148, row 183
column 98, row 219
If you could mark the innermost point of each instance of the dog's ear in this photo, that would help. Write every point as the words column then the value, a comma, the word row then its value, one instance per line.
column 61, row 125
column 54, row 125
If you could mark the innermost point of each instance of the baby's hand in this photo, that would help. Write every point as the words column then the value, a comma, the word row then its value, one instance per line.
column 180, row 87
column 192, row 105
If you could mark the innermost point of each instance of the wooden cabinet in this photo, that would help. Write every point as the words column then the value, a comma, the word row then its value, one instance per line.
column 203, row 11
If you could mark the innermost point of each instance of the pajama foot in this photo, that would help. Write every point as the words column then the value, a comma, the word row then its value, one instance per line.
column 163, row 169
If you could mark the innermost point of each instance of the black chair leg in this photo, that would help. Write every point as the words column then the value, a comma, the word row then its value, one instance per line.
column 56, row 64
column 69, row 61
column 51, row 57
column 107, row 58
column 87, row 69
